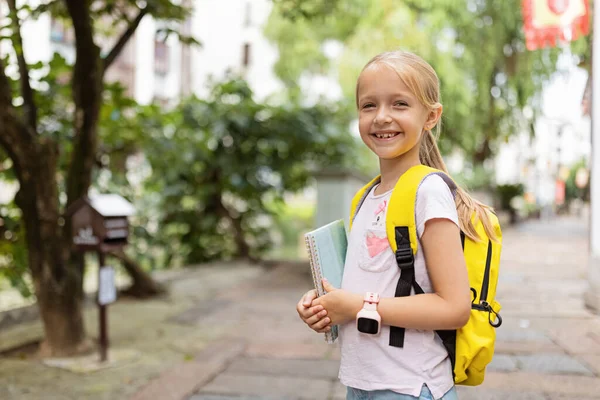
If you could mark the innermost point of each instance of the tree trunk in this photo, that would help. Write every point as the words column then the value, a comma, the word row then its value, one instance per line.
column 56, row 281
column 243, row 248
column 240, row 240
column 483, row 152
column 62, row 315
column 143, row 286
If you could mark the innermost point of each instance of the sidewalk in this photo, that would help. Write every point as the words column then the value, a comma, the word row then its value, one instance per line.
column 231, row 332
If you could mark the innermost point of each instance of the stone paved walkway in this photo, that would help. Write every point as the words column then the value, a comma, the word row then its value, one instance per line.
column 548, row 347
column 234, row 334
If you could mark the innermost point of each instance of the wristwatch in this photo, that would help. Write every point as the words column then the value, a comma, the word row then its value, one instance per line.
column 368, row 319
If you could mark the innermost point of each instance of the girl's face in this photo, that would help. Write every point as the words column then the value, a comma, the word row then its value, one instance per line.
column 390, row 118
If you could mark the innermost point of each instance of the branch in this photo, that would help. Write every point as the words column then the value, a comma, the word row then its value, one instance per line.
column 26, row 92
column 87, row 89
column 15, row 136
column 118, row 47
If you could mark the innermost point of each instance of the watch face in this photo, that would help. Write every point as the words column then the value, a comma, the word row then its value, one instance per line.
column 368, row 325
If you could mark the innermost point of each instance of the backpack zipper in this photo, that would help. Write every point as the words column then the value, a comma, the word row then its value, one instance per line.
column 483, row 303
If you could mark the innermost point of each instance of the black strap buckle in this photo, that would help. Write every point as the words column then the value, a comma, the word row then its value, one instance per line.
column 405, row 258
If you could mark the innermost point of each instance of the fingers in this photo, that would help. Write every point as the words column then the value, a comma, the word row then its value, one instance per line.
column 318, row 314
column 322, row 325
column 307, row 311
column 309, row 297
column 310, row 313
column 327, row 286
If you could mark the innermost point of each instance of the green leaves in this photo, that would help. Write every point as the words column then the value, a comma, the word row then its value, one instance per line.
column 477, row 49
column 13, row 250
column 218, row 162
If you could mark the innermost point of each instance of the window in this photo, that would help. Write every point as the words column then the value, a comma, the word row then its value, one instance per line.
column 246, row 55
column 248, row 15
column 61, row 33
column 161, row 57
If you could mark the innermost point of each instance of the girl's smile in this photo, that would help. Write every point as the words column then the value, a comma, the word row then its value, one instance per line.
column 385, row 135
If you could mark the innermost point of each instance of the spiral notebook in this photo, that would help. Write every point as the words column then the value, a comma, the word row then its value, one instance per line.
column 326, row 247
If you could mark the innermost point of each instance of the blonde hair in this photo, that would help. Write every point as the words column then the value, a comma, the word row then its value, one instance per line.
column 423, row 82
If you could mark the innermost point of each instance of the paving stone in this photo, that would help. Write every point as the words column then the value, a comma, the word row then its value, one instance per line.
column 521, row 335
column 552, row 364
column 480, row 393
column 200, row 311
column 527, row 347
column 550, row 396
column 269, row 386
column 568, row 385
column 503, row 363
column 289, row 350
column 576, row 341
column 227, row 397
column 592, row 361
column 325, row 369
column 21, row 335
column 187, row 377
column 506, row 278
column 338, row 391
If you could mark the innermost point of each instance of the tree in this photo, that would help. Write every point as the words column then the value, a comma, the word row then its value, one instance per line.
column 38, row 149
column 223, row 165
column 477, row 48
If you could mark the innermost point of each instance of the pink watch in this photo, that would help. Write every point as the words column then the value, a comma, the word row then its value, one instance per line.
column 368, row 319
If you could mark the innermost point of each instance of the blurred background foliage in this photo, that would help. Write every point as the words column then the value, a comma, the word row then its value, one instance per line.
column 490, row 83
column 217, row 170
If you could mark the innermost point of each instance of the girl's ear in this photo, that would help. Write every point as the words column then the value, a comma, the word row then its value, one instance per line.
column 433, row 117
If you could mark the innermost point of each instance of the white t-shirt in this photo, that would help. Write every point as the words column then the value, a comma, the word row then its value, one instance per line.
column 368, row 361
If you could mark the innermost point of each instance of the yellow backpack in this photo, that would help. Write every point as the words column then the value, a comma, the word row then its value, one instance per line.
column 471, row 347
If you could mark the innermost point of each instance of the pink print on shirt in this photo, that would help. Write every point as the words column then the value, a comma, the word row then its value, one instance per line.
column 376, row 244
column 380, row 209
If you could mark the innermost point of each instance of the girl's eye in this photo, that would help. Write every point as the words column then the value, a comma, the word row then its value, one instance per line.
column 401, row 104
column 368, row 105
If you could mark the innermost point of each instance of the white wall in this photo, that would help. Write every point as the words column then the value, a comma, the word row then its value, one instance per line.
column 220, row 27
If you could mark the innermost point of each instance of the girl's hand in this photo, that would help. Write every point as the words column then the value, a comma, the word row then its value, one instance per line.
column 313, row 315
column 341, row 305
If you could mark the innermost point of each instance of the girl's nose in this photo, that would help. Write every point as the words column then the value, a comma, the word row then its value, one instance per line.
column 382, row 116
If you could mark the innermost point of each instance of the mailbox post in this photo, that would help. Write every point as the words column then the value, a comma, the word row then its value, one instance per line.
column 101, row 224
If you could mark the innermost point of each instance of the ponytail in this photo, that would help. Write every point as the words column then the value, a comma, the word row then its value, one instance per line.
column 429, row 154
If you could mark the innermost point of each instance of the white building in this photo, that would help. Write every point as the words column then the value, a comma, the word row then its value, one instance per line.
column 231, row 37
column 562, row 138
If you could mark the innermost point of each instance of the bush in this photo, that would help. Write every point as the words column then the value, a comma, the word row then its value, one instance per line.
column 506, row 193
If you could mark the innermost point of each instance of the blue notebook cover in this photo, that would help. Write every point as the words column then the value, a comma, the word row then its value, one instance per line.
column 326, row 247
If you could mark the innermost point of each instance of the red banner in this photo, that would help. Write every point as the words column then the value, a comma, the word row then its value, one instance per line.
column 547, row 21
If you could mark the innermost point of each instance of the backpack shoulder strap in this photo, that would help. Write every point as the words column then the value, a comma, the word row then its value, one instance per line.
column 359, row 198
column 402, row 233
column 401, row 211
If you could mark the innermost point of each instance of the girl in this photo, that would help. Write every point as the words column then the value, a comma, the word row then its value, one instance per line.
column 398, row 101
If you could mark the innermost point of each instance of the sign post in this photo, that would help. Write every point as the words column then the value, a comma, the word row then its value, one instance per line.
column 107, row 294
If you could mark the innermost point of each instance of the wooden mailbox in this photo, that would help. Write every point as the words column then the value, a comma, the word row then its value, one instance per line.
column 101, row 222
